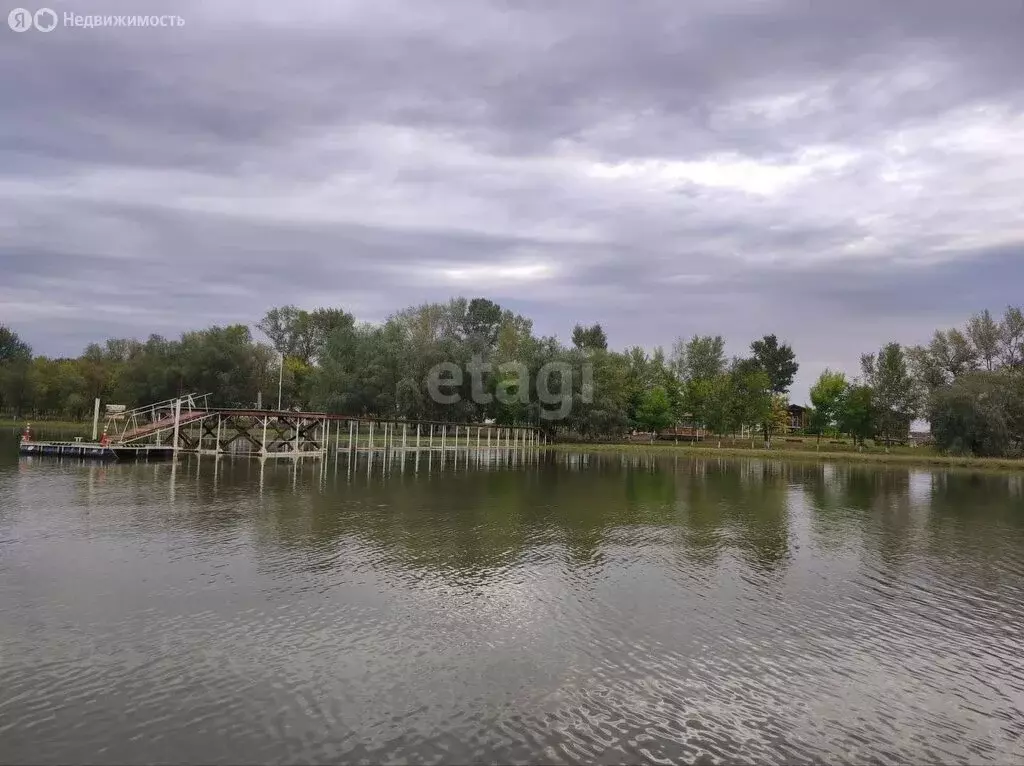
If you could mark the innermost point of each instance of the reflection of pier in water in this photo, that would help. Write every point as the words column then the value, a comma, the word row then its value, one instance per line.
column 371, row 459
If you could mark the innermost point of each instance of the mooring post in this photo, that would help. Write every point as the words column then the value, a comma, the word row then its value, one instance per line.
column 431, row 444
column 216, row 447
column 369, row 442
column 444, row 435
column 263, row 448
column 295, row 441
column 417, row 438
column 96, row 419
column 350, row 424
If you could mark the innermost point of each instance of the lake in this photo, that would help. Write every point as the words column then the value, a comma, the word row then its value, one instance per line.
column 536, row 607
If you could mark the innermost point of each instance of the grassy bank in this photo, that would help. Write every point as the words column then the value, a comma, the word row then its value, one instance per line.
column 921, row 456
column 46, row 425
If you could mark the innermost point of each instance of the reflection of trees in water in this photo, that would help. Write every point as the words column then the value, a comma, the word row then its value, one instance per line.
column 977, row 515
column 892, row 511
column 728, row 505
column 477, row 522
column 474, row 523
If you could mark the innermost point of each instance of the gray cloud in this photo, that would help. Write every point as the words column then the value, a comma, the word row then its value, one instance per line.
column 842, row 174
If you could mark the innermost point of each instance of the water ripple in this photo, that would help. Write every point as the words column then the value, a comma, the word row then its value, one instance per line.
column 589, row 610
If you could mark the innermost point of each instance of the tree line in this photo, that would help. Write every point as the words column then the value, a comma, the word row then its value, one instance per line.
column 965, row 382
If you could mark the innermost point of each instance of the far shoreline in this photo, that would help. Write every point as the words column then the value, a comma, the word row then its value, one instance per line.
column 921, row 456
column 931, row 460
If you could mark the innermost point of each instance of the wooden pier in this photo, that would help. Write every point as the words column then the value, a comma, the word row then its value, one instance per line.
column 188, row 425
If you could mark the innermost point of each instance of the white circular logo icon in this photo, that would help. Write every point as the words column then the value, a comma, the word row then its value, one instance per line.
column 45, row 20
column 19, row 20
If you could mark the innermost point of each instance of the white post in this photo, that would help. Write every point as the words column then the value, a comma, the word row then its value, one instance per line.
column 264, row 449
column 351, row 423
column 216, row 447
column 431, row 445
column 96, row 419
column 280, row 380
column 417, row 439
column 478, row 437
column 177, row 419
column 404, row 427
column 296, row 439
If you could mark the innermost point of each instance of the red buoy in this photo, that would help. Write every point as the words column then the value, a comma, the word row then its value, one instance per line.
column 27, row 436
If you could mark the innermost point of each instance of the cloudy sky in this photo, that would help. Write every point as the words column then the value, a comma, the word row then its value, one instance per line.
column 839, row 173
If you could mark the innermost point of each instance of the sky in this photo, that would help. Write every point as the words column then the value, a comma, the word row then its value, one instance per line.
column 840, row 174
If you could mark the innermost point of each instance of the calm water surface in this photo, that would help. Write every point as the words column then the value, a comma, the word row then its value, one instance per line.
column 564, row 609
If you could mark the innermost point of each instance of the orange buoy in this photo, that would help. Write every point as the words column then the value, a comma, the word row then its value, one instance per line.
column 27, row 435
column 104, row 440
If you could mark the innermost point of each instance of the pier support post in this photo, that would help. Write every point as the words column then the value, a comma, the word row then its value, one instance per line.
column 177, row 424
column 96, row 419
column 405, row 427
column 263, row 448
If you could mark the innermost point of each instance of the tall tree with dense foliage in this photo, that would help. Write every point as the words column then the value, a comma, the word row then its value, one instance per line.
column 857, row 413
column 655, row 411
column 894, row 395
column 980, row 414
column 591, row 338
column 778, row 362
column 985, row 336
column 827, row 398
column 15, row 362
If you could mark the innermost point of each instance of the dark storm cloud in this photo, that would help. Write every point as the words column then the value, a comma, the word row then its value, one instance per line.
column 842, row 173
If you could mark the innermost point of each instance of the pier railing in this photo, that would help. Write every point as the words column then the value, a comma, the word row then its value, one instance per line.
column 189, row 424
column 152, row 418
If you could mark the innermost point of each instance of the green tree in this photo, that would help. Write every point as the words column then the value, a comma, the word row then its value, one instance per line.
column 481, row 324
column 15, row 362
column 1011, row 331
column 985, row 336
column 752, row 402
column 302, row 334
column 857, row 413
column 895, row 395
column 702, row 357
column 655, row 411
column 979, row 414
column 826, row 398
column 591, row 338
column 778, row 362
column 952, row 353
